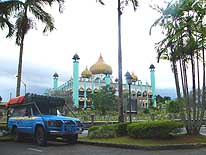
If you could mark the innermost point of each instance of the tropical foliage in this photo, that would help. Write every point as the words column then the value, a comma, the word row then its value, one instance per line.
column 25, row 14
column 4, row 21
column 183, row 24
column 153, row 129
column 104, row 100
column 145, row 129
column 173, row 106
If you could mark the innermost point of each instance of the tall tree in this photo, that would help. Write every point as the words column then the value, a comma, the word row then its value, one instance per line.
column 183, row 22
column 22, row 12
column 105, row 100
column 121, row 4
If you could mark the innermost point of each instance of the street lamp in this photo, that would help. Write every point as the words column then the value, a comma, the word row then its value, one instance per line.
column 24, row 86
column 129, row 82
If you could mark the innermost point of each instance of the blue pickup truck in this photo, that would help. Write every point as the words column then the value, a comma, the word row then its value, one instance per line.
column 40, row 117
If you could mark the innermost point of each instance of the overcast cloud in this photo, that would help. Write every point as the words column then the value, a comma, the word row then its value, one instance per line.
column 88, row 29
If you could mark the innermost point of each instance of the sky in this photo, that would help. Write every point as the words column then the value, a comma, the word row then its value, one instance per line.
column 88, row 29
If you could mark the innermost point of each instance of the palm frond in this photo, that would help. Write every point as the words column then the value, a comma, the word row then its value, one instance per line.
column 51, row 2
column 23, row 25
column 5, row 22
column 43, row 16
column 100, row 1
column 8, row 7
column 155, row 24
column 135, row 4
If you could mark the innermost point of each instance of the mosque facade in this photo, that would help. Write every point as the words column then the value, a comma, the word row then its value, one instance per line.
column 98, row 75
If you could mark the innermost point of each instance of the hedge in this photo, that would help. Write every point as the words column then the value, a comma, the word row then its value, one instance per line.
column 121, row 129
column 104, row 131
column 108, row 131
column 149, row 129
column 153, row 129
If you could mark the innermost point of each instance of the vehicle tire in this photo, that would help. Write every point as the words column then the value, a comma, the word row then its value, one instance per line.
column 16, row 134
column 40, row 136
column 72, row 139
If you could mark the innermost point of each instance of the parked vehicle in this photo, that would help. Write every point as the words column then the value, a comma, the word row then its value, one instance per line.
column 40, row 117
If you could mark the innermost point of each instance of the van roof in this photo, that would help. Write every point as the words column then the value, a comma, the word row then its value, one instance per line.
column 15, row 100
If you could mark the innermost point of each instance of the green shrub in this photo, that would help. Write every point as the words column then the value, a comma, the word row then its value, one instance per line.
column 153, row 129
column 173, row 107
column 146, row 111
column 104, row 131
column 121, row 129
column 93, row 128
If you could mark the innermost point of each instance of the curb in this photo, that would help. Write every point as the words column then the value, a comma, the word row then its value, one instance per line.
column 138, row 147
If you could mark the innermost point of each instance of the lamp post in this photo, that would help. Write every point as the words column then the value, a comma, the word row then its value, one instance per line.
column 129, row 82
column 24, row 86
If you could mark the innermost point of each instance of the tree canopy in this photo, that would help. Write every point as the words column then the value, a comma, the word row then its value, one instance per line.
column 104, row 100
column 183, row 23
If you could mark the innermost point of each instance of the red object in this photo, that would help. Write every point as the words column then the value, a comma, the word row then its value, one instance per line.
column 15, row 100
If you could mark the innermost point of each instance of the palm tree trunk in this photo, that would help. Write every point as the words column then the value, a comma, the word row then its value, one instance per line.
column 198, row 86
column 187, row 100
column 20, row 67
column 203, row 105
column 198, row 89
column 174, row 66
column 120, row 117
column 175, row 71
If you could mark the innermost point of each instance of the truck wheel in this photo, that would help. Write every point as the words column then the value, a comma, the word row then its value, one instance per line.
column 72, row 139
column 40, row 136
column 16, row 134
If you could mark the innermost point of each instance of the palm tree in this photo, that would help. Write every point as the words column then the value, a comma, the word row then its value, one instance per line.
column 184, row 41
column 23, row 22
column 120, row 6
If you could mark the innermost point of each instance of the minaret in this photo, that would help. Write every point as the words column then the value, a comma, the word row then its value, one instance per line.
column 152, row 74
column 76, row 80
column 55, row 80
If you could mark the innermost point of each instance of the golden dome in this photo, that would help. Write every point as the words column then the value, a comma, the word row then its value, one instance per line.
column 86, row 73
column 134, row 77
column 100, row 67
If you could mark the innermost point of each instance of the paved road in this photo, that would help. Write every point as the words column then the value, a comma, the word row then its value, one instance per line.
column 11, row 148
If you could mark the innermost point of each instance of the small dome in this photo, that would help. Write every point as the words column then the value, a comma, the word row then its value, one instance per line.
column 76, row 57
column 152, row 66
column 86, row 73
column 55, row 75
column 100, row 67
column 134, row 77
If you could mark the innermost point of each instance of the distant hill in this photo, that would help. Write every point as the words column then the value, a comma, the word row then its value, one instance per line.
column 171, row 92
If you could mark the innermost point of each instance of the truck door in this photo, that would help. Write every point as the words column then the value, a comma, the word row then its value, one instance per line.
column 28, row 120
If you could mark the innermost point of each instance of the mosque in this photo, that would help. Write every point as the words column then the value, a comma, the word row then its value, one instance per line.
column 97, row 76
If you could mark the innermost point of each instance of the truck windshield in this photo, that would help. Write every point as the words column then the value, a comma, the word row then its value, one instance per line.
column 49, row 110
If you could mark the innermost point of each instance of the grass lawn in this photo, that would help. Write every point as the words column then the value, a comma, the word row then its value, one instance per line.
column 180, row 139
